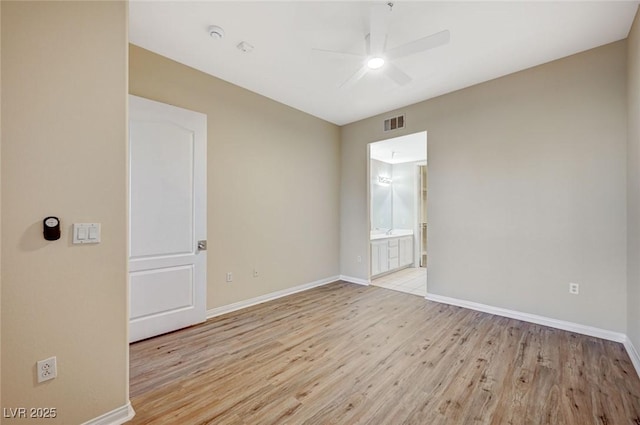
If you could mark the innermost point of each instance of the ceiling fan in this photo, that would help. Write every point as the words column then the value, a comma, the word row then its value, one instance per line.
column 378, row 58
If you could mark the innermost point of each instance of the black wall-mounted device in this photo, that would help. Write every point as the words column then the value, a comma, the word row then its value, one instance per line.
column 51, row 228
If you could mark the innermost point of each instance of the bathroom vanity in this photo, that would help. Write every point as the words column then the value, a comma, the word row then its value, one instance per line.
column 391, row 251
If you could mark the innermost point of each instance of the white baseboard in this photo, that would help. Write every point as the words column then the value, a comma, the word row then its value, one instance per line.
column 633, row 354
column 115, row 417
column 355, row 280
column 218, row 311
column 533, row 318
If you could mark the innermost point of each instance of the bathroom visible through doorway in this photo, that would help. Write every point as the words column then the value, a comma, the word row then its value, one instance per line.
column 398, row 213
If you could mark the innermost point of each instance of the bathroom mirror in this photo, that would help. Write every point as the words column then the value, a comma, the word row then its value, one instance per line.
column 381, row 195
column 395, row 182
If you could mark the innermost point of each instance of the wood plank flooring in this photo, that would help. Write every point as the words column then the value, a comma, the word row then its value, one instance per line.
column 350, row 354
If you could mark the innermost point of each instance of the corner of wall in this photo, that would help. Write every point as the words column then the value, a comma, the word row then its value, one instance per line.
column 0, row 203
column 633, row 187
column 633, row 354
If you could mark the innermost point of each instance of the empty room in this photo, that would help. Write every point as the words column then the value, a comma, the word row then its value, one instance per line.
column 302, row 212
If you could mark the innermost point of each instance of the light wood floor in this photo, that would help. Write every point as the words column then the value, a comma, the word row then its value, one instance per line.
column 350, row 354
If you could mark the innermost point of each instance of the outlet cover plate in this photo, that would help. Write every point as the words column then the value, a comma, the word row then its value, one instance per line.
column 47, row 369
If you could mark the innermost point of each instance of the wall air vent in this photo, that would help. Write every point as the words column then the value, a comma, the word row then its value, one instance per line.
column 394, row 123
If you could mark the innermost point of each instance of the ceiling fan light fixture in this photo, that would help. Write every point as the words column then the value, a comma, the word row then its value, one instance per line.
column 375, row 63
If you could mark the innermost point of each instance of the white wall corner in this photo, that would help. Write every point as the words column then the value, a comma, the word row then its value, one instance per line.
column 356, row 280
column 115, row 417
column 533, row 318
column 633, row 354
column 218, row 311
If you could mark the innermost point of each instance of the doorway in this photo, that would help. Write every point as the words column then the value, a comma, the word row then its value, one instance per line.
column 397, row 213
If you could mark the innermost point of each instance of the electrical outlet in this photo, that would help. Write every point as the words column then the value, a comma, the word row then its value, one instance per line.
column 574, row 288
column 255, row 272
column 47, row 369
column 359, row 258
column 229, row 277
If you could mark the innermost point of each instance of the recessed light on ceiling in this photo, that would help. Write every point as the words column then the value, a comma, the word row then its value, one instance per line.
column 375, row 63
column 216, row 32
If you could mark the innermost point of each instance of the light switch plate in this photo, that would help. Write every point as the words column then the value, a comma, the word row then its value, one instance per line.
column 86, row 233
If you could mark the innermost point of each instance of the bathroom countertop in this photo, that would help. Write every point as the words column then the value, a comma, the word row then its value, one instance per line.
column 396, row 233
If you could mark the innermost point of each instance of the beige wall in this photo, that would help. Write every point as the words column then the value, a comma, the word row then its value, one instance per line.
column 633, row 183
column 273, row 181
column 64, row 86
column 526, row 189
column 1, row 210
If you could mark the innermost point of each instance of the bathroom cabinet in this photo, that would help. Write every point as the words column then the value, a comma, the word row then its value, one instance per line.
column 405, row 251
column 379, row 256
column 391, row 254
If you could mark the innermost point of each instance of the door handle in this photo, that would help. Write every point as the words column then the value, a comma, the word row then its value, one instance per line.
column 202, row 245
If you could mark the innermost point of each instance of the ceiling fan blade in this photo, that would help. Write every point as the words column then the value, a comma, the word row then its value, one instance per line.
column 378, row 22
column 419, row 45
column 335, row 52
column 396, row 74
column 355, row 77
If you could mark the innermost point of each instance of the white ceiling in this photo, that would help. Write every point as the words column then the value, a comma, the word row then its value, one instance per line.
column 409, row 148
column 488, row 40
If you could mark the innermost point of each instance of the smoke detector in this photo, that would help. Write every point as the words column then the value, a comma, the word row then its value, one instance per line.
column 216, row 32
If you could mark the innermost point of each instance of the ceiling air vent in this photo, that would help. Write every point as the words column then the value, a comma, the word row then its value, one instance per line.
column 394, row 123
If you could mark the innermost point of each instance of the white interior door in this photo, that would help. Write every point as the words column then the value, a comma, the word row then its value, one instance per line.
column 167, row 218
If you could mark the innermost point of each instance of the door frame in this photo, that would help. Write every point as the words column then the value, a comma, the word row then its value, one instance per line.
column 416, row 212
